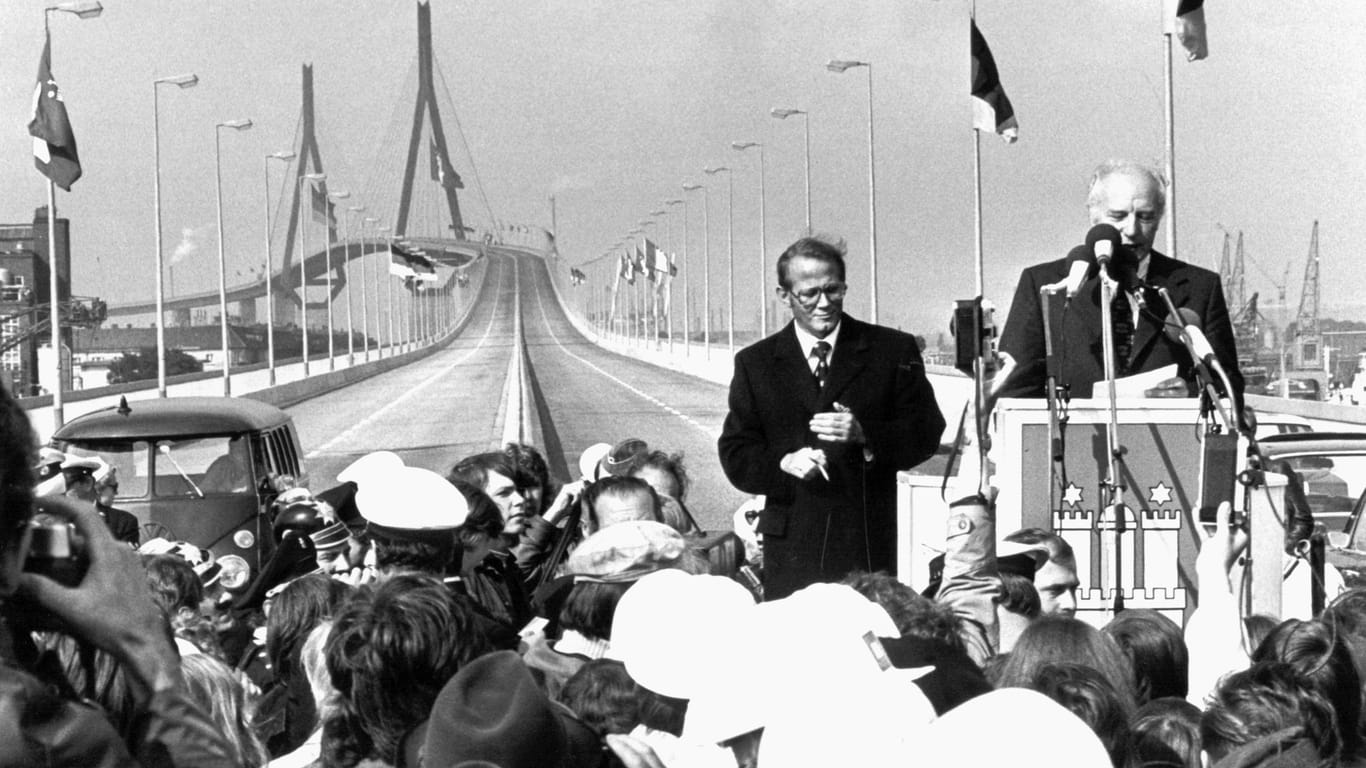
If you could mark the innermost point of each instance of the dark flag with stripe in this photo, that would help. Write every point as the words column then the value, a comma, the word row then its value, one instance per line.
column 991, row 109
column 54, row 144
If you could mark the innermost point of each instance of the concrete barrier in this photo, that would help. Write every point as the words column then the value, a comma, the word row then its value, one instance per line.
column 250, row 381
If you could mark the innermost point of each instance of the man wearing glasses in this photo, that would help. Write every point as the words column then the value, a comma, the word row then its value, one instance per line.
column 823, row 414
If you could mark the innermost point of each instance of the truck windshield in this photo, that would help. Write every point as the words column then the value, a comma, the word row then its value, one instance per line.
column 129, row 459
column 213, row 465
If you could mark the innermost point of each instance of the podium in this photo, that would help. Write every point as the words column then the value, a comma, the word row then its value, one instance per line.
column 1160, row 473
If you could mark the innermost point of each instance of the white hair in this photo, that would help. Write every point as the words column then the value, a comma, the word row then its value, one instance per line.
column 1127, row 168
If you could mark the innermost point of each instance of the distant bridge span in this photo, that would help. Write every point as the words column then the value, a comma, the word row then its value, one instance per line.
column 455, row 254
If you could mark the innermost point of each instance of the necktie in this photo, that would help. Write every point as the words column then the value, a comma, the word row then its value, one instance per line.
column 1122, row 321
column 822, row 353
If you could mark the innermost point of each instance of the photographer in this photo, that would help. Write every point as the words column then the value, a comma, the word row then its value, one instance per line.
column 109, row 609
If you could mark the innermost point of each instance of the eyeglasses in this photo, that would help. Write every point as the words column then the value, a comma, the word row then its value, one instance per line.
column 811, row 296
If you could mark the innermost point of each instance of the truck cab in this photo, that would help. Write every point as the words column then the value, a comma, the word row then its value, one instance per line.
column 198, row 469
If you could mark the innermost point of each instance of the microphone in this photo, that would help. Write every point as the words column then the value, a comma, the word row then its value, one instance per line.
column 1195, row 341
column 1101, row 243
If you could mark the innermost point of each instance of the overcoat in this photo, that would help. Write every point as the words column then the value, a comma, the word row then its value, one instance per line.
column 819, row 529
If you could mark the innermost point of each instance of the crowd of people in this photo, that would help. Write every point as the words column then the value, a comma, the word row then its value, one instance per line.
column 488, row 617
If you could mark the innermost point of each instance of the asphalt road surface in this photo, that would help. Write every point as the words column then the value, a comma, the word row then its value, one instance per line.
column 446, row 406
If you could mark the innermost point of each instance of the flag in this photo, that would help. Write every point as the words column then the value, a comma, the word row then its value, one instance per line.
column 652, row 258
column 991, row 110
column 1187, row 21
column 54, row 145
column 442, row 172
column 626, row 271
column 322, row 207
column 638, row 262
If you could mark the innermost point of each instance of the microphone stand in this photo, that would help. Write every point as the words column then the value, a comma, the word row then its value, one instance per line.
column 1054, row 393
column 1209, row 392
column 1113, row 491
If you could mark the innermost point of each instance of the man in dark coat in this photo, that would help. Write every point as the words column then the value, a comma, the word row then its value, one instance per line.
column 823, row 414
column 1131, row 198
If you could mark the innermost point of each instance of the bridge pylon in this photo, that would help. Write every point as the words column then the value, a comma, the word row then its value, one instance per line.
column 442, row 170
column 308, row 159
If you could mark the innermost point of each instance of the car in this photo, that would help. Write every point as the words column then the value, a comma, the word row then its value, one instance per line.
column 1296, row 389
column 199, row 469
column 1331, row 468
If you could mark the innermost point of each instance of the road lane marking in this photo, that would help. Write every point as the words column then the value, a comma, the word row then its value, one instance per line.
column 372, row 418
column 545, row 319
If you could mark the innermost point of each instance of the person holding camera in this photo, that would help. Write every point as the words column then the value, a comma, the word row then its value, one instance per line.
column 106, row 606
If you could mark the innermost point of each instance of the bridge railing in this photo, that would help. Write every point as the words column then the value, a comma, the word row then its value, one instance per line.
column 292, row 384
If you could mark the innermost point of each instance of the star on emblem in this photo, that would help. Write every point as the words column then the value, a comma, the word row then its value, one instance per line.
column 1072, row 495
column 1160, row 493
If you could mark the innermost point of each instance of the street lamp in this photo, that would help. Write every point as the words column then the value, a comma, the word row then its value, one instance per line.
column 331, row 329
column 687, row 336
column 307, row 178
column 669, row 294
column 270, row 273
column 706, row 269
column 236, row 125
column 389, row 292
column 182, row 82
column 86, row 10
column 763, row 243
column 730, row 252
column 365, row 292
column 350, row 327
column 782, row 113
column 839, row 66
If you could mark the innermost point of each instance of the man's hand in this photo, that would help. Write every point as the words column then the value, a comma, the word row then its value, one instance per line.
column 564, row 500
column 805, row 463
column 837, row 426
column 112, row 607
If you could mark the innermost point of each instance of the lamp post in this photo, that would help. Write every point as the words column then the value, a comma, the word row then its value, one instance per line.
column 389, row 292
column 331, row 329
column 180, row 81
column 670, row 289
column 270, row 273
column 730, row 252
column 350, row 326
column 838, row 66
column 307, row 178
column 706, row 268
column 782, row 113
column 236, row 125
column 687, row 306
column 763, row 243
column 81, row 10
column 365, row 293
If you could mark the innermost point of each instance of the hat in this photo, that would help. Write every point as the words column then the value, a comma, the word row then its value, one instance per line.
column 330, row 539
column 669, row 625
column 849, row 685
column 625, row 457
column 77, row 466
column 492, row 710
column 342, row 498
column 376, row 463
column 625, row 552
column 48, row 456
column 591, row 459
column 1016, row 716
column 410, row 502
column 201, row 560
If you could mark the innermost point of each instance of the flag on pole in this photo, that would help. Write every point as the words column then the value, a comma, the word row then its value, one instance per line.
column 991, row 109
column 638, row 262
column 322, row 207
column 1186, row 20
column 54, row 145
column 652, row 261
column 442, row 172
column 626, row 271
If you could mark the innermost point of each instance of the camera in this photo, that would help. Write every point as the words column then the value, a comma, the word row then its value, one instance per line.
column 56, row 550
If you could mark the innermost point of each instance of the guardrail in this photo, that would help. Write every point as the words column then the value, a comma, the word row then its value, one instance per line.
column 253, row 381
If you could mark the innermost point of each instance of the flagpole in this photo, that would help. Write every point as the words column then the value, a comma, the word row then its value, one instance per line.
column 58, row 417
column 1171, row 147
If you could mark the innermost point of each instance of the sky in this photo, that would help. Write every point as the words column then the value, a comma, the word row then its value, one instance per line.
column 612, row 106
